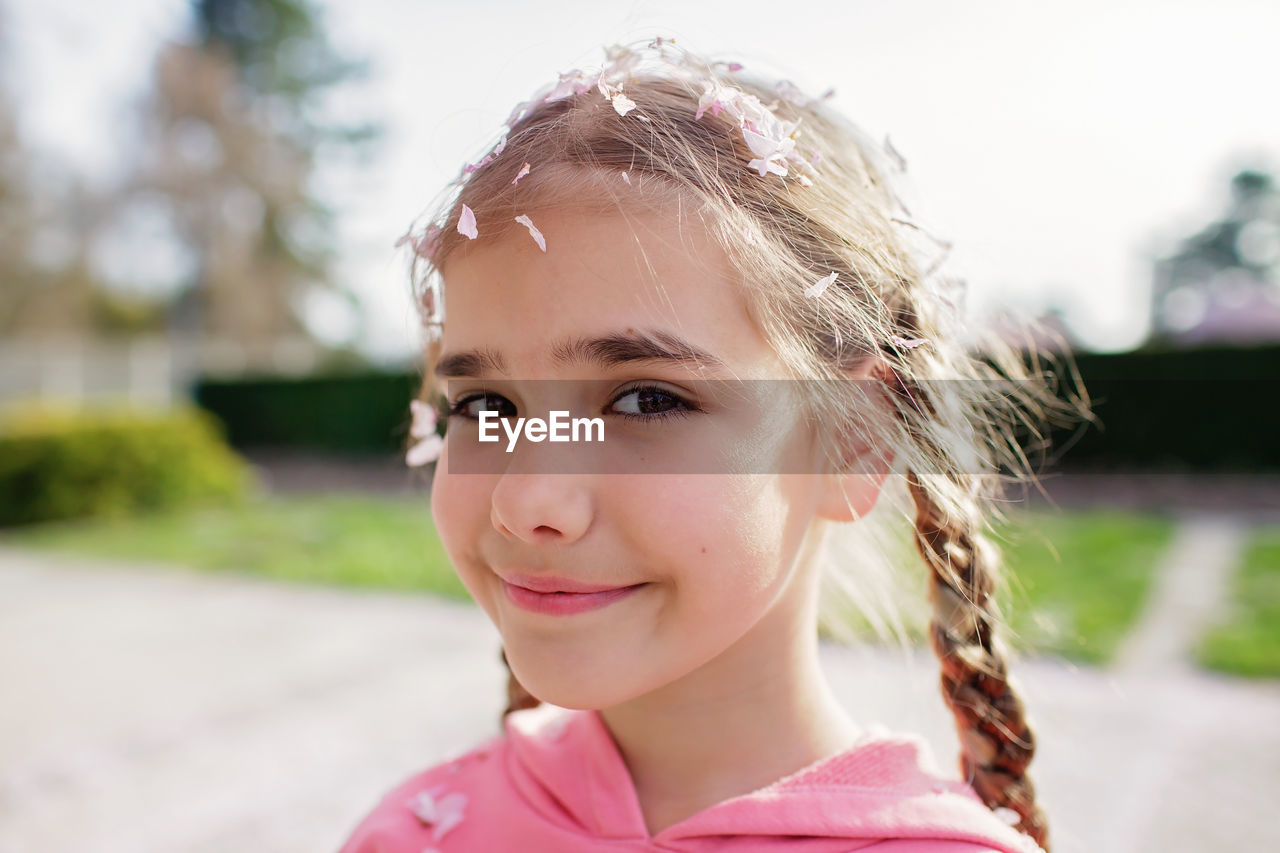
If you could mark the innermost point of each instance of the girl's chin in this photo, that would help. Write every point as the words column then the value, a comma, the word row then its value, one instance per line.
column 588, row 686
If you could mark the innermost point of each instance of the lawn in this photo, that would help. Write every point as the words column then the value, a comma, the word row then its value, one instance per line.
column 1247, row 640
column 1079, row 578
column 334, row 539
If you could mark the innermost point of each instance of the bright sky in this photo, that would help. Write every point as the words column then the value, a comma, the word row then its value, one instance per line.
column 1059, row 145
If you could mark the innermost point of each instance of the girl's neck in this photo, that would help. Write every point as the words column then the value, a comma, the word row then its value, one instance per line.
column 737, row 724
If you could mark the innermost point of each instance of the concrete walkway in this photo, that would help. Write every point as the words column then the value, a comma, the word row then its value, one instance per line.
column 154, row 710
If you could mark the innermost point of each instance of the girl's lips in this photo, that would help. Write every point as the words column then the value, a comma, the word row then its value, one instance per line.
column 559, row 602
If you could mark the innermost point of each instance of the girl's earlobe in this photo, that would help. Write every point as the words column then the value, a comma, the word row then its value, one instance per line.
column 852, row 495
column 854, row 487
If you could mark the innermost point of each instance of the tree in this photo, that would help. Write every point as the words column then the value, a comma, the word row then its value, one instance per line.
column 1223, row 283
column 233, row 130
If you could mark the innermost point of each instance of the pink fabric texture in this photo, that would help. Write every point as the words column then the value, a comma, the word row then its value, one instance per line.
column 556, row 783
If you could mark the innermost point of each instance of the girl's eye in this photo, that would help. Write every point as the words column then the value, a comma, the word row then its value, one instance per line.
column 652, row 403
column 466, row 408
column 644, row 403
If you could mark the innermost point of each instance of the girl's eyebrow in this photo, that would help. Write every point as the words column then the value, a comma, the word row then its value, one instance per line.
column 604, row 351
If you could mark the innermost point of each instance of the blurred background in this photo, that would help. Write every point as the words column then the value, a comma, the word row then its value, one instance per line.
column 225, row 619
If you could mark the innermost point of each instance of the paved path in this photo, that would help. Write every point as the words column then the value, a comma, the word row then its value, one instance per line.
column 154, row 710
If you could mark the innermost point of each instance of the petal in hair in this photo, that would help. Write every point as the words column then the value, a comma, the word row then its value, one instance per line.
column 424, row 419
column 424, row 452
column 791, row 92
column 622, row 104
column 533, row 231
column 424, row 246
column 428, row 445
column 818, row 287
column 471, row 167
column 524, row 170
column 908, row 343
column 804, row 181
column 771, row 150
column 572, row 83
column 517, row 112
column 467, row 224
column 626, row 179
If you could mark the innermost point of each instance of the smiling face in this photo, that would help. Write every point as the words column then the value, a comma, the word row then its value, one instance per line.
column 607, row 586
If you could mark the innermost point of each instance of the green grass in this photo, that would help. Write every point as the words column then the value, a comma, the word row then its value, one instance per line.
column 332, row 539
column 1079, row 580
column 1076, row 582
column 1247, row 640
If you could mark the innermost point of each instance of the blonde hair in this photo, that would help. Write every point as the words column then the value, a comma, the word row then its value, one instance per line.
column 955, row 403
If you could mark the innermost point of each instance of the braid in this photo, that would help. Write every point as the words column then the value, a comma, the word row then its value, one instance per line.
column 517, row 697
column 996, row 741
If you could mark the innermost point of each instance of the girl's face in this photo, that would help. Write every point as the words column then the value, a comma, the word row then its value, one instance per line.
column 608, row 584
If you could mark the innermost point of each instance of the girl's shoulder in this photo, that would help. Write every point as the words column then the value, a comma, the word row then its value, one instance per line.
column 447, row 806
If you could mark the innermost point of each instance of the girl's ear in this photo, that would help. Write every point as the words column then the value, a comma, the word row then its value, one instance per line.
column 851, row 491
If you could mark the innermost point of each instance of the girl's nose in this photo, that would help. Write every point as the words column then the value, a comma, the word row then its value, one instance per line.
column 544, row 508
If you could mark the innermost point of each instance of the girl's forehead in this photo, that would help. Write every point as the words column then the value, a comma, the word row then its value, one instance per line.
column 601, row 276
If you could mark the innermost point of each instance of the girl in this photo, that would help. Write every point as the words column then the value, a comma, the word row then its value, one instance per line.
column 641, row 239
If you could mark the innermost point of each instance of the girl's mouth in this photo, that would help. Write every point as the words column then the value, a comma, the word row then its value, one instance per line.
column 564, row 603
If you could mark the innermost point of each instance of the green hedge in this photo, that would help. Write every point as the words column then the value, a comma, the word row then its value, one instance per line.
column 354, row 413
column 62, row 464
column 1208, row 409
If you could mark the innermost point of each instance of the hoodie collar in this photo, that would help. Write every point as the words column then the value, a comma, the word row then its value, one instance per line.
column 884, row 786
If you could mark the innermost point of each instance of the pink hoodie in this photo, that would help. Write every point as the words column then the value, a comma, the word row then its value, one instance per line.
column 556, row 783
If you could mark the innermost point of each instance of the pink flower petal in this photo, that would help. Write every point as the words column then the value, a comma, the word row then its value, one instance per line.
column 571, row 83
column 524, row 170
column 791, row 92
column 430, row 242
column 908, row 343
column 517, row 112
column 816, row 289
column 804, row 181
column 467, row 224
column 622, row 104
column 534, row 232
column 767, row 166
column 471, row 167
column 424, row 452
column 626, row 179
column 424, row 419
column 502, row 145
column 441, row 813
column 424, row 246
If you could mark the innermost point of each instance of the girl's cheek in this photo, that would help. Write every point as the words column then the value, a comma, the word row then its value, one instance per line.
column 456, row 510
